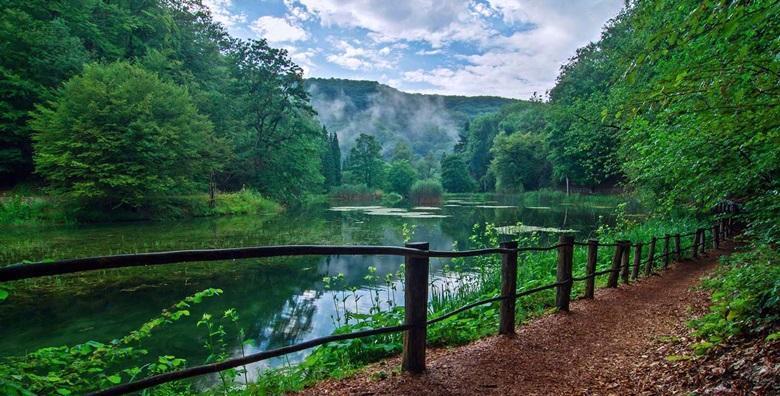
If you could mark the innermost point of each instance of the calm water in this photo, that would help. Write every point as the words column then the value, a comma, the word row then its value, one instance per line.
column 281, row 301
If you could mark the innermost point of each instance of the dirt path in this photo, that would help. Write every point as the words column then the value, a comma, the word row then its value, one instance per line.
column 600, row 348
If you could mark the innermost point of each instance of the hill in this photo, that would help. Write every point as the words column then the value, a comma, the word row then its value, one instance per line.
column 428, row 123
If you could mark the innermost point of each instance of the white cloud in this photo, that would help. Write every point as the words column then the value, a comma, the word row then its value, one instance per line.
column 437, row 22
column 359, row 58
column 278, row 30
column 303, row 58
column 221, row 11
column 526, row 61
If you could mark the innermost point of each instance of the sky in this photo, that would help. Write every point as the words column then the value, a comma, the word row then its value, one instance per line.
column 509, row 48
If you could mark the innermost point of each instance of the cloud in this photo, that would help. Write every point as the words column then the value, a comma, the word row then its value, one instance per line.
column 278, row 30
column 221, row 11
column 525, row 61
column 359, row 58
column 437, row 22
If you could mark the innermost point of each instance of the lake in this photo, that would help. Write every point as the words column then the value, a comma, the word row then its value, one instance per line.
column 280, row 301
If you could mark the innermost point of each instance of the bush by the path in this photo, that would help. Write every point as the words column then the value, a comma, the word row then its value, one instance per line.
column 745, row 299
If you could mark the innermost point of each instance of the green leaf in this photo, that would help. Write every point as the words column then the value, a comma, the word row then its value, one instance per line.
column 3, row 294
column 114, row 379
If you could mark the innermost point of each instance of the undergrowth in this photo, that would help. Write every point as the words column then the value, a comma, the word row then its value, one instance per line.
column 745, row 299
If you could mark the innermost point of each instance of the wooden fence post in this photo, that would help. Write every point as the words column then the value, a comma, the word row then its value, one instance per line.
column 715, row 237
column 508, row 288
column 650, row 257
column 564, row 272
column 590, row 269
column 694, row 247
column 637, row 259
column 677, row 251
column 613, row 275
column 416, row 309
column 624, row 257
column 667, row 253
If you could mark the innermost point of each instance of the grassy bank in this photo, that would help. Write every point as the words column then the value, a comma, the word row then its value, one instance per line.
column 18, row 209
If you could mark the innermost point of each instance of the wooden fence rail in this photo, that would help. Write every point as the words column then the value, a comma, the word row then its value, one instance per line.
column 416, row 256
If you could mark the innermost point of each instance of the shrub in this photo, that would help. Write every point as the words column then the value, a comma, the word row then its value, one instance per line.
column 426, row 192
column 745, row 298
column 246, row 201
column 118, row 137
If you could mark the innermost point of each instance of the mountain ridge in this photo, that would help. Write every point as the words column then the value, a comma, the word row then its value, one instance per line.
column 428, row 123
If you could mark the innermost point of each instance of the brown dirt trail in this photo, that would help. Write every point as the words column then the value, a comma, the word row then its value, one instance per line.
column 596, row 349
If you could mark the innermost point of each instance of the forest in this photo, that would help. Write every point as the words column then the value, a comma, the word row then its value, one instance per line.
column 144, row 126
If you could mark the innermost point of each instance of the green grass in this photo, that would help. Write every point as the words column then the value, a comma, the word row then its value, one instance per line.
column 32, row 210
column 19, row 210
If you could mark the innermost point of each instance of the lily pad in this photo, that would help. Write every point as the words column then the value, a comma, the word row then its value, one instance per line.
column 521, row 229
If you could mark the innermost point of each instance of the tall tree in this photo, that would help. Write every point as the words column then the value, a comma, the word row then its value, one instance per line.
column 365, row 160
column 275, row 121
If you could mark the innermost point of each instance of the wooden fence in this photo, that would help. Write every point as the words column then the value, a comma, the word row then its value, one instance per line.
column 417, row 256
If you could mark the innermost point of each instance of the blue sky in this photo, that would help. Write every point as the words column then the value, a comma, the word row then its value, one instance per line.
column 508, row 48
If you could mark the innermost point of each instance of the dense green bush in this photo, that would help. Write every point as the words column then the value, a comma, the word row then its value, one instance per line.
column 119, row 137
column 455, row 177
column 245, row 201
column 426, row 192
column 400, row 177
column 745, row 298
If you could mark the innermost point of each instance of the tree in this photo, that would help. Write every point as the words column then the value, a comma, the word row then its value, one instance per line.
column 402, row 152
column 519, row 162
column 482, row 130
column 276, row 123
column 455, row 175
column 365, row 160
column 36, row 56
column 401, row 176
column 117, row 136
column 331, row 160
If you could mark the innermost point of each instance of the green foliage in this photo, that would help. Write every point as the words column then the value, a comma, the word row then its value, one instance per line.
column 93, row 365
column 655, row 101
column 525, row 117
column 519, row 162
column 18, row 209
column 400, row 177
column 426, row 192
column 245, row 201
column 276, row 147
column 745, row 298
column 331, row 160
column 119, row 137
column 365, row 161
column 455, row 177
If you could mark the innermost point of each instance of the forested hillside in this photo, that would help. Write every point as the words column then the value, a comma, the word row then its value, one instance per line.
column 125, row 105
column 427, row 123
